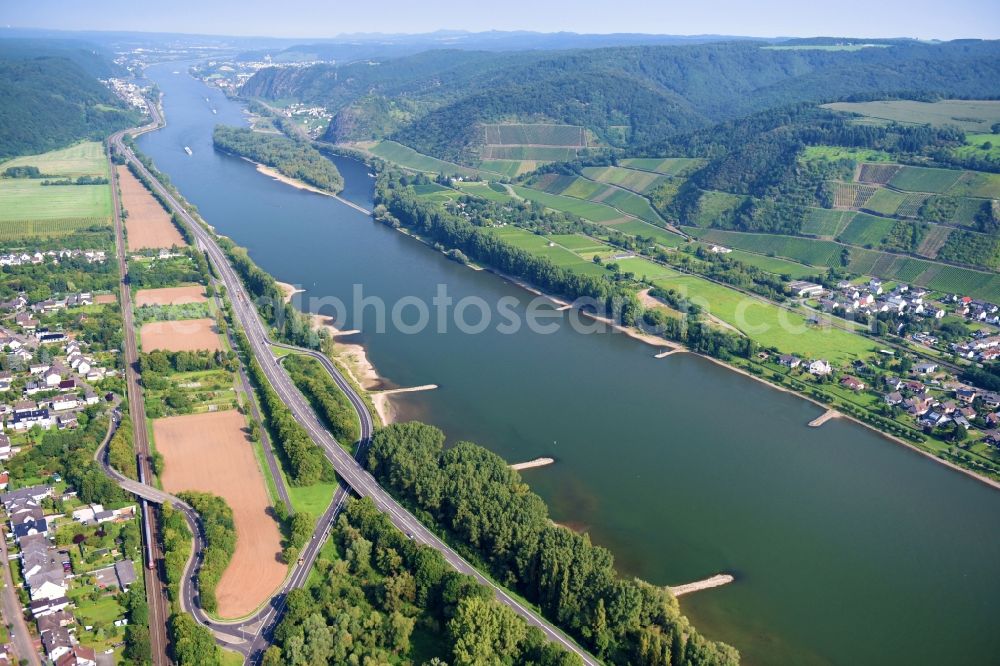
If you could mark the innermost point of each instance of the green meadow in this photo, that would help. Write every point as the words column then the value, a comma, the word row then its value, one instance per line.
column 767, row 324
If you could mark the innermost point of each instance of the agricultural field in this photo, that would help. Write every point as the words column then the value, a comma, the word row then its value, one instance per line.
column 852, row 195
column 184, row 335
column 509, row 168
column 484, row 191
column 825, row 222
column 969, row 115
column 775, row 265
column 556, row 253
column 537, row 134
column 977, row 184
column 641, row 182
column 713, row 205
column 885, row 201
column 194, row 448
column 83, row 159
column 578, row 243
column 29, row 209
column 147, row 224
column 933, row 241
column 877, row 174
column 644, row 269
column 29, row 200
column 534, row 153
column 646, row 230
column 579, row 187
column 866, row 230
column 408, row 158
column 435, row 192
column 669, row 166
column 911, row 205
column 588, row 210
column 18, row 230
column 804, row 250
column 885, row 265
column 768, row 324
column 924, row 179
column 170, row 296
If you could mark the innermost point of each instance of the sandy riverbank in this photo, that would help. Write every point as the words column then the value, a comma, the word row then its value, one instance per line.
column 277, row 175
column 354, row 359
column 715, row 581
column 288, row 291
column 537, row 462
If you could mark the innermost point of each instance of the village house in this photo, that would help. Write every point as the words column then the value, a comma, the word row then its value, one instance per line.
column 78, row 655
column 852, row 383
column 893, row 399
column 57, row 642
column 42, row 607
column 789, row 361
column 820, row 368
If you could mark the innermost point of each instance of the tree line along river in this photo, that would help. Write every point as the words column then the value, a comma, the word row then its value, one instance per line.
column 847, row 548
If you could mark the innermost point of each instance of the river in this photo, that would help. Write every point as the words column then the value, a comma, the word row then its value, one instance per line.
column 847, row 548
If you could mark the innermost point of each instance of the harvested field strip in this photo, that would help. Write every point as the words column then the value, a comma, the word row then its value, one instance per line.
column 170, row 296
column 186, row 335
column 877, row 174
column 148, row 225
column 211, row 453
column 933, row 241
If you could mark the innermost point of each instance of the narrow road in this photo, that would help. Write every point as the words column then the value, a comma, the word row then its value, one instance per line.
column 156, row 594
column 14, row 614
column 350, row 471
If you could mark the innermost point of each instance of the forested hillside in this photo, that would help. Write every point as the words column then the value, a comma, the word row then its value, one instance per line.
column 51, row 101
column 629, row 96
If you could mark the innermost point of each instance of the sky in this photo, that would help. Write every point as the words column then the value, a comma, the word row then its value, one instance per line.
column 923, row 19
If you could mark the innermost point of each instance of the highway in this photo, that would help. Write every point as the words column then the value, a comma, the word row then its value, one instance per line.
column 350, row 471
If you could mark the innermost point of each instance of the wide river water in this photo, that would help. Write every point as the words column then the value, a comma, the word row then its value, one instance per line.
column 847, row 548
